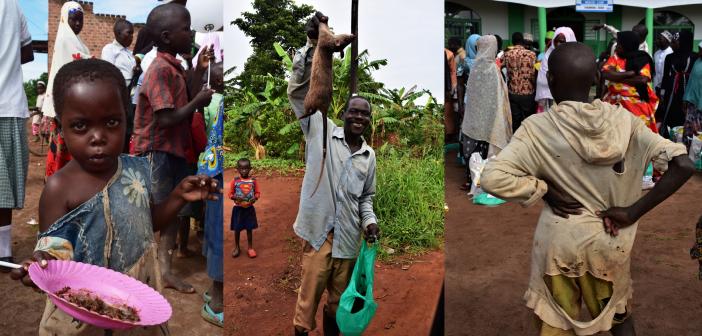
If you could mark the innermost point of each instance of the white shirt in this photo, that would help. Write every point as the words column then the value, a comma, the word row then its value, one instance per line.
column 659, row 60
column 121, row 57
column 13, row 36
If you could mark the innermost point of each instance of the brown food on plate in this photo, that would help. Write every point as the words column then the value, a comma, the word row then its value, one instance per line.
column 90, row 301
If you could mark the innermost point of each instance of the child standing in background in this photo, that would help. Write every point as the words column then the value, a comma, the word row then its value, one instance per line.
column 245, row 192
column 36, row 118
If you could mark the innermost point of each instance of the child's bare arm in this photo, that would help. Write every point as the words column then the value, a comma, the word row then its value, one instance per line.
column 52, row 203
column 680, row 169
column 191, row 189
column 52, row 206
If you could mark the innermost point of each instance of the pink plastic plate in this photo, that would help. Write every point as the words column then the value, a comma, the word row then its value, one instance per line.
column 112, row 287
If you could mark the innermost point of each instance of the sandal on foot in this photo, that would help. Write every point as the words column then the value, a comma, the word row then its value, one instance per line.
column 212, row 317
column 235, row 252
column 252, row 253
column 206, row 297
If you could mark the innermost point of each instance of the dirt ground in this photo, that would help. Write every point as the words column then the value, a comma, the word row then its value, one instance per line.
column 21, row 308
column 260, row 293
column 488, row 261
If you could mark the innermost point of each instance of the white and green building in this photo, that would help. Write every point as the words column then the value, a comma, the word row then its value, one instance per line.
column 464, row 17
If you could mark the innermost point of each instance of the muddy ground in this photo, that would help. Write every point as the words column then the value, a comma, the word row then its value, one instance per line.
column 488, row 253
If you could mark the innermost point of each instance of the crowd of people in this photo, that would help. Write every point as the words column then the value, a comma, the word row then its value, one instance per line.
column 663, row 90
column 137, row 137
column 545, row 135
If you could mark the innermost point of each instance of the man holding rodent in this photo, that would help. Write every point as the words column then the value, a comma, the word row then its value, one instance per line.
column 330, row 220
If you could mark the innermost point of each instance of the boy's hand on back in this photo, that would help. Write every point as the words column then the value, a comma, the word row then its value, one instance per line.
column 198, row 188
column 560, row 202
column 22, row 274
column 616, row 218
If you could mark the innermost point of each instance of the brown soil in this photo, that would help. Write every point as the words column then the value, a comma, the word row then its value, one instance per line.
column 488, row 253
column 260, row 293
column 22, row 308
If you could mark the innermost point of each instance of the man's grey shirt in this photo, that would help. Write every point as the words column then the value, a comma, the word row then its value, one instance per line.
column 344, row 200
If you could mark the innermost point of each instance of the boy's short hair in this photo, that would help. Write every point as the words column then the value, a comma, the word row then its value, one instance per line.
column 162, row 18
column 517, row 38
column 86, row 70
column 119, row 24
column 454, row 40
column 242, row 160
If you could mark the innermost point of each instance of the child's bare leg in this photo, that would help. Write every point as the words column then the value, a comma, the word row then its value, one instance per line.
column 237, row 250
column 217, row 295
column 165, row 253
column 184, row 236
column 249, row 238
column 626, row 328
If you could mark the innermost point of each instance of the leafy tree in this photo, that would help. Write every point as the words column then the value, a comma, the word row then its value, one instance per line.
column 271, row 21
column 30, row 88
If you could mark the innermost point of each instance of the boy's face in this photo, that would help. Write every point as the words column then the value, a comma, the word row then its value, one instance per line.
column 125, row 35
column 75, row 21
column 180, row 35
column 93, row 124
column 244, row 168
column 357, row 117
column 41, row 89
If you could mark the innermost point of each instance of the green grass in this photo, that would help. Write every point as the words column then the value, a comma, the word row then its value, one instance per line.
column 409, row 202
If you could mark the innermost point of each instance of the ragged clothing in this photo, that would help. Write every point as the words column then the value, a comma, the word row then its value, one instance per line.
column 113, row 229
column 344, row 201
column 576, row 146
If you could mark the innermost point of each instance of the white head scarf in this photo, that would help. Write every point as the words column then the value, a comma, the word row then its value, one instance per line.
column 487, row 115
column 67, row 48
column 542, row 90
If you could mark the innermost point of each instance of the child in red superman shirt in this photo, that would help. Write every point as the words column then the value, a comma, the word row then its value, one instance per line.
column 245, row 192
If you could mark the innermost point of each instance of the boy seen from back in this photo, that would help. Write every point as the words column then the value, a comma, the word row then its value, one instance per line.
column 586, row 160
column 163, row 116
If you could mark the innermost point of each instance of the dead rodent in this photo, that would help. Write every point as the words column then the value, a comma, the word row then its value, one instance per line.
column 319, row 95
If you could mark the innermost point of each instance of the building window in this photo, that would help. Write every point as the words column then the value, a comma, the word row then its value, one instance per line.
column 670, row 21
column 460, row 21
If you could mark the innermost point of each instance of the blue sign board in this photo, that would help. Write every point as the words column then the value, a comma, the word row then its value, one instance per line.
column 594, row 6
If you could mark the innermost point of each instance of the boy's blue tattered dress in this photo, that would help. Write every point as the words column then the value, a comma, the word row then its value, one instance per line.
column 113, row 229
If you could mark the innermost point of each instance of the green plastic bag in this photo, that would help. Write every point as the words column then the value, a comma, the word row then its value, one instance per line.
column 356, row 305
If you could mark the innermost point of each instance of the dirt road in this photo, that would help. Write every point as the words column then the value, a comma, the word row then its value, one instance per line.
column 260, row 293
column 488, row 254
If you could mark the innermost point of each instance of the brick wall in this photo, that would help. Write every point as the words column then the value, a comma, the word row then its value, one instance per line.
column 97, row 28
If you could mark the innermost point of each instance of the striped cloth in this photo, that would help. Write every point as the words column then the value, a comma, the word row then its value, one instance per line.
column 14, row 162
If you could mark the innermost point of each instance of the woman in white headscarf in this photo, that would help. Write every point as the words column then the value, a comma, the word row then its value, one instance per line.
column 67, row 48
column 487, row 117
column 543, row 94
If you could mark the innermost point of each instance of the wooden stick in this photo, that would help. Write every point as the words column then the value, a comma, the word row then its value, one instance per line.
column 353, row 85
